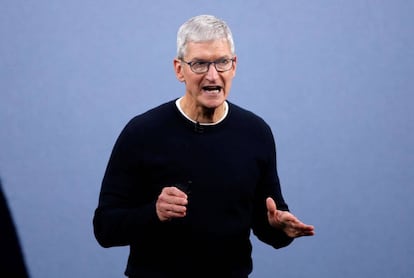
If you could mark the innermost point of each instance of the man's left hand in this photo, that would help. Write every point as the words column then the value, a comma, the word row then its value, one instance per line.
column 286, row 221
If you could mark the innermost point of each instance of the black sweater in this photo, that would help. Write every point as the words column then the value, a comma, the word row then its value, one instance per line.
column 228, row 170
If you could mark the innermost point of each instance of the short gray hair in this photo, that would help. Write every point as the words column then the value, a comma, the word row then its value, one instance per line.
column 202, row 28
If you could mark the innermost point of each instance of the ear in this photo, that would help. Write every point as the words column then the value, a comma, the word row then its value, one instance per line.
column 178, row 68
column 234, row 66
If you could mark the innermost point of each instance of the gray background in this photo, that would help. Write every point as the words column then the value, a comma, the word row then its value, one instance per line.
column 334, row 79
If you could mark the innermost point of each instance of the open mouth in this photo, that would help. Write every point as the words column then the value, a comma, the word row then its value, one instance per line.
column 212, row 89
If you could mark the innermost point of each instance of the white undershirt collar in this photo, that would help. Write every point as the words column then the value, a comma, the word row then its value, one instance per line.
column 226, row 110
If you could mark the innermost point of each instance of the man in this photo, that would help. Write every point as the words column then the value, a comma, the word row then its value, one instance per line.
column 188, row 180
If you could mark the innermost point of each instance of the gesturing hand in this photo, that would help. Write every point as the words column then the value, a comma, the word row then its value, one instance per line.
column 286, row 221
column 171, row 203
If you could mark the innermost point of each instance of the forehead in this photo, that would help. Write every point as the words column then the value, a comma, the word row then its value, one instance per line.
column 208, row 49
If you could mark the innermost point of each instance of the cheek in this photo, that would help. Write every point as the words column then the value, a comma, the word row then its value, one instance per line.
column 228, row 83
column 193, row 82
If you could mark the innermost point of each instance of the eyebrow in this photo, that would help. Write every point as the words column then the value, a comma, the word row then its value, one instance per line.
column 205, row 60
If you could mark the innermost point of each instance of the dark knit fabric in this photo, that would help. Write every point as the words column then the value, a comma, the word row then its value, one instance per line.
column 12, row 258
column 228, row 171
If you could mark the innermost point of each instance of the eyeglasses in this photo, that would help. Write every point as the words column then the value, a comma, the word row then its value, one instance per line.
column 221, row 65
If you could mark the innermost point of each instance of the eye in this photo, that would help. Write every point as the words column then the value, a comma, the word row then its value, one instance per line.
column 199, row 64
column 223, row 62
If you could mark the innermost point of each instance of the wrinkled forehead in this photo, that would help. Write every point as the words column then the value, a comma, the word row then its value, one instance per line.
column 219, row 48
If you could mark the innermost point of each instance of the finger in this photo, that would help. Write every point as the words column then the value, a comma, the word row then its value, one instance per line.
column 304, row 233
column 304, row 227
column 302, row 230
column 271, row 205
column 168, row 211
column 174, row 201
column 172, row 195
column 176, row 210
column 308, row 230
column 174, row 191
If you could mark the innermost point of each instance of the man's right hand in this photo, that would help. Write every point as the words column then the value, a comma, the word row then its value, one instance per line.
column 171, row 203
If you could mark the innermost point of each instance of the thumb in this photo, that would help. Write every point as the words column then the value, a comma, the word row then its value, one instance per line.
column 271, row 205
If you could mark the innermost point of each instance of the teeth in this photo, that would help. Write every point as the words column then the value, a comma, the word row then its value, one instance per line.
column 214, row 90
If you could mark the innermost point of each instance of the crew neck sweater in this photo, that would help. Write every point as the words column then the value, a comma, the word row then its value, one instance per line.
column 227, row 170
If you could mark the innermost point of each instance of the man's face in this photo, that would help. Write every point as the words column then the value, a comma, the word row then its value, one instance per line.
column 210, row 89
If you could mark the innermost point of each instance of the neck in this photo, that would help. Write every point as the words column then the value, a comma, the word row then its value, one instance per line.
column 202, row 114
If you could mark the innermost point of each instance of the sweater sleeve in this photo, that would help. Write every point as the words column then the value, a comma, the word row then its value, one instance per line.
column 120, row 218
column 269, row 186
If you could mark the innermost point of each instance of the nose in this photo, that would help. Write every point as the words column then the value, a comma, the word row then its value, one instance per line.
column 212, row 73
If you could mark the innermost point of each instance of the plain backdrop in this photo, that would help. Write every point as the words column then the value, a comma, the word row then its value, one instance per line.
column 334, row 80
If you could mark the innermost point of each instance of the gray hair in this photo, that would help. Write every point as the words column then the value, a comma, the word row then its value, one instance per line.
column 202, row 28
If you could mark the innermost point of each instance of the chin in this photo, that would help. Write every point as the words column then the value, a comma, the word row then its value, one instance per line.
column 211, row 104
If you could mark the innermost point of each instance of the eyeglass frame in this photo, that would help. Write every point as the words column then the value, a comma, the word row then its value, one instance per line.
column 191, row 63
